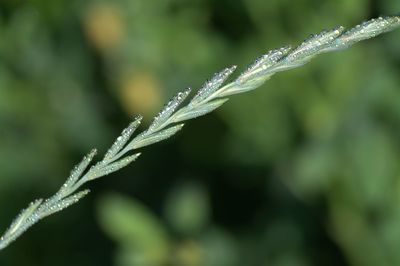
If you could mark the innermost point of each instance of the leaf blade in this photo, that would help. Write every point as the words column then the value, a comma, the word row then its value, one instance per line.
column 150, row 138
column 123, row 138
column 168, row 110
column 210, row 86
column 198, row 110
column 110, row 168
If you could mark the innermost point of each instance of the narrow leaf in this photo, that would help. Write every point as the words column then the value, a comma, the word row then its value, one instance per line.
column 47, row 210
column 22, row 217
column 123, row 138
column 309, row 48
column 78, row 169
column 366, row 30
column 262, row 64
column 115, row 166
column 212, row 85
column 168, row 110
column 150, row 138
column 190, row 112
column 251, row 84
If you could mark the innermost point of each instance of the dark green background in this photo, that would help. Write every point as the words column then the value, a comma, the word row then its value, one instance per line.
column 303, row 171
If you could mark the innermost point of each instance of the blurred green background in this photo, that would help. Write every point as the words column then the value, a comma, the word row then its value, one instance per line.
column 301, row 172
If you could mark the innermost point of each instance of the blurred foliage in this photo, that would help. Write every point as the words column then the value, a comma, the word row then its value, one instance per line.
column 301, row 172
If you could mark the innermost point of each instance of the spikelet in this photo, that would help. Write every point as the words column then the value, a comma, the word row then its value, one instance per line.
column 146, row 139
column 168, row 110
column 123, row 139
column 210, row 86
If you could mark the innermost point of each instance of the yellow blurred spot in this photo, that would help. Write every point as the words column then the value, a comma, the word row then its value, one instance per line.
column 188, row 254
column 140, row 93
column 104, row 26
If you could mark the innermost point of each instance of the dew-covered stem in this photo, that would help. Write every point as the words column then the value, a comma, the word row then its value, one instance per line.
column 170, row 119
